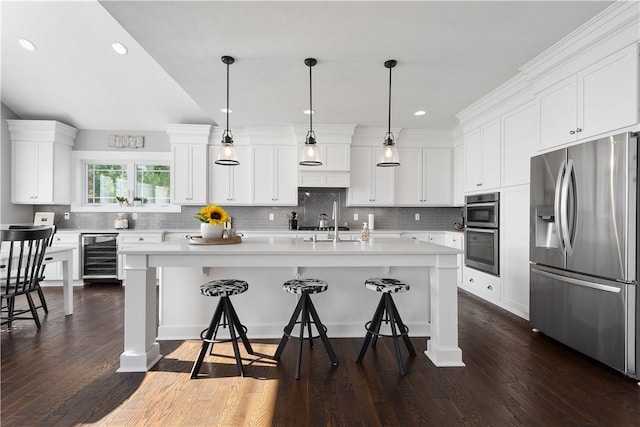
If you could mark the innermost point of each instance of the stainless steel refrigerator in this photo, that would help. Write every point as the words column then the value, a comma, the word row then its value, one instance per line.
column 584, row 249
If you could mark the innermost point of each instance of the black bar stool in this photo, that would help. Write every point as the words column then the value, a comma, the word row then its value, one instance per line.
column 224, row 315
column 388, row 313
column 305, row 309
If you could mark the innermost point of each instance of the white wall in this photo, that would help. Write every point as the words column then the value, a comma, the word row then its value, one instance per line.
column 9, row 213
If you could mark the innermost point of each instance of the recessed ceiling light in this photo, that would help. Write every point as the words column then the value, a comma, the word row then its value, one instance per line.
column 224, row 110
column 420, row 113
column 307, row 112
column 119, row 48
column 28, row 45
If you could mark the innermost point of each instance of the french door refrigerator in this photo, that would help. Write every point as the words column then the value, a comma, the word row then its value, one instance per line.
column 584, row 248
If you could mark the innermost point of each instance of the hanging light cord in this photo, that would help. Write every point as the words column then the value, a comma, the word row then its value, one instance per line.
column 310, row 103
column 227, row 129
column 389, row 127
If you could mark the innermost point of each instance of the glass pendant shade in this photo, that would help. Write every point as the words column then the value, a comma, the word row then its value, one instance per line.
column 310, row 153
column 388, row 156
column 227, row 153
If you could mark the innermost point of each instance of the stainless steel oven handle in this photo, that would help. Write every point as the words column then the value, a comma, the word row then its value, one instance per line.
column 556, row 205
column 578, row 282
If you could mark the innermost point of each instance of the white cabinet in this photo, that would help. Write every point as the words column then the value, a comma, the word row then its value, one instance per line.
column 458, row 175
column 274, row 175
column 519, row 140
column 514, row 238
column 601, row 98
column 482, row 157
column 231, row 185
column 63, row 239
column 424, row 179
column 370, row 185
column 41, row 162
column 133, row 238
column 334, row 172
column 481, row 284
column 189, row 174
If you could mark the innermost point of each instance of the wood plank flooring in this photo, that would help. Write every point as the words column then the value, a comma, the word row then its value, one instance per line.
column 64, row 375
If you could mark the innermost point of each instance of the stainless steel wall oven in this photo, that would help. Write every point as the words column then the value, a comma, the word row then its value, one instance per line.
column 482, row 233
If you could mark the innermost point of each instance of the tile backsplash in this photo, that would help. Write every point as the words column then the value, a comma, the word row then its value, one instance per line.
column 311, row 203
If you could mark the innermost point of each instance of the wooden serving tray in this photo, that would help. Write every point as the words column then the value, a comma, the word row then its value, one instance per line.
column 198, row 240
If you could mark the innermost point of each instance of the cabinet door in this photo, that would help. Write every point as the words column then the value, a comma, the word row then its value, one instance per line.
column 383, row 183
column 286, row 183
column 491, row 161
column 472, row 161
column 519, row 141
column 458, row 176
column 436, row 175
column 608, row 93
column 514, row 233
column 359, row 192
column 408, row 179
column 32, row 167
column 231, row 185
column 189, row 174
column 274, row 175
column 558, row 113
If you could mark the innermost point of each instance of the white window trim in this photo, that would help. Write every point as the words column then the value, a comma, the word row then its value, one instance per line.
column 80, row 158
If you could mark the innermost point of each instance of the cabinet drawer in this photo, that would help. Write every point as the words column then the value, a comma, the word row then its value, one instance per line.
column 65, row 239
column 483, row 285
column 140, row 238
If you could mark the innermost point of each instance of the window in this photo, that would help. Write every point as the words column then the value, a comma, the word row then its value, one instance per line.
column 147, row 182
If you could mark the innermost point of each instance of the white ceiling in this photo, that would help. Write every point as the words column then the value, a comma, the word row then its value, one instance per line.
column 449, row 53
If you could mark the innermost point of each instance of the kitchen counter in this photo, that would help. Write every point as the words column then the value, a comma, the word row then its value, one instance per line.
column 266, row 263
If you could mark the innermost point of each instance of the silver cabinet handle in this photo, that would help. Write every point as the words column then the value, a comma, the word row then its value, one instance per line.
column 572, row 132
column 140, row 239
column 579, row 130
column 490, row 287
column 471, row 280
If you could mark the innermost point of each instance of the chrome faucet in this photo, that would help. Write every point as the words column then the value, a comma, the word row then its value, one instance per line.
column 334, row 217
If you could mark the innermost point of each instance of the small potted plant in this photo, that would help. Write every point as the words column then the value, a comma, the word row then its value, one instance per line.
column 137, row 201
column 212, row 219
column 122, row 201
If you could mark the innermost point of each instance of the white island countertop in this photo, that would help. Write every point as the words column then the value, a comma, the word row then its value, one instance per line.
column 438, row 264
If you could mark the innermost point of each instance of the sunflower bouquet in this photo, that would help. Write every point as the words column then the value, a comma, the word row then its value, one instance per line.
column 213, row 214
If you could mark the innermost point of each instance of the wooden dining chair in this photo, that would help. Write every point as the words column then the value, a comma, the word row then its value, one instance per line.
column 21, row 270
column 43, row 301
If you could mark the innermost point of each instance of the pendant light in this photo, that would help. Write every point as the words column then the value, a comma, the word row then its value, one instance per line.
column 389, row 154
column 227, row 153
column 310, row 153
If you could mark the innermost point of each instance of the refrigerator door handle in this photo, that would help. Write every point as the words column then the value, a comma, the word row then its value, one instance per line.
column 578, row 282
column 557, row 204
column 567, row 235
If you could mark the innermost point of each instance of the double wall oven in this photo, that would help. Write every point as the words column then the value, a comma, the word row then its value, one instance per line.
column 482, row 234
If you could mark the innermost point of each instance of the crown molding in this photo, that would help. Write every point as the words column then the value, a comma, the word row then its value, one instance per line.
column 188, row 133
column 42, row 131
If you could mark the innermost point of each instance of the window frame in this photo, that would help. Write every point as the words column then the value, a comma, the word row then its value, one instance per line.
column 80, row 159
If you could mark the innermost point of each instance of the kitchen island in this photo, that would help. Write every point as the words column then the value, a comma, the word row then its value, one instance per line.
column 432, row 269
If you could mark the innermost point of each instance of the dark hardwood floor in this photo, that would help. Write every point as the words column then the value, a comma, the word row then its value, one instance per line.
column 64, row 375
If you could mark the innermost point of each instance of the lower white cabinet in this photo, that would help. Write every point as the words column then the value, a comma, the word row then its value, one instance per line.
column 481, row 284
column 64, row 240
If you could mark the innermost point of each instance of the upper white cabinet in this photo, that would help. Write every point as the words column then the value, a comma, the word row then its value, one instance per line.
column 424, row 178
column 482, row 157
column 334, row 171
column 274, row 175
column 458, row 175
column 41, row 161
column 601, row 98
column 189, row 159
column 519, row 141
column 231, row 185
column 370, row 185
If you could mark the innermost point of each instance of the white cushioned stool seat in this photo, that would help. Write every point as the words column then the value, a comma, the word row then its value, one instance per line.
column 223, row 287
column 386, row 285
column 298, row 286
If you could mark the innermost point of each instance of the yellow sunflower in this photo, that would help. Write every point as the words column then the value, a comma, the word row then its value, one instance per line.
column 213, row 215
